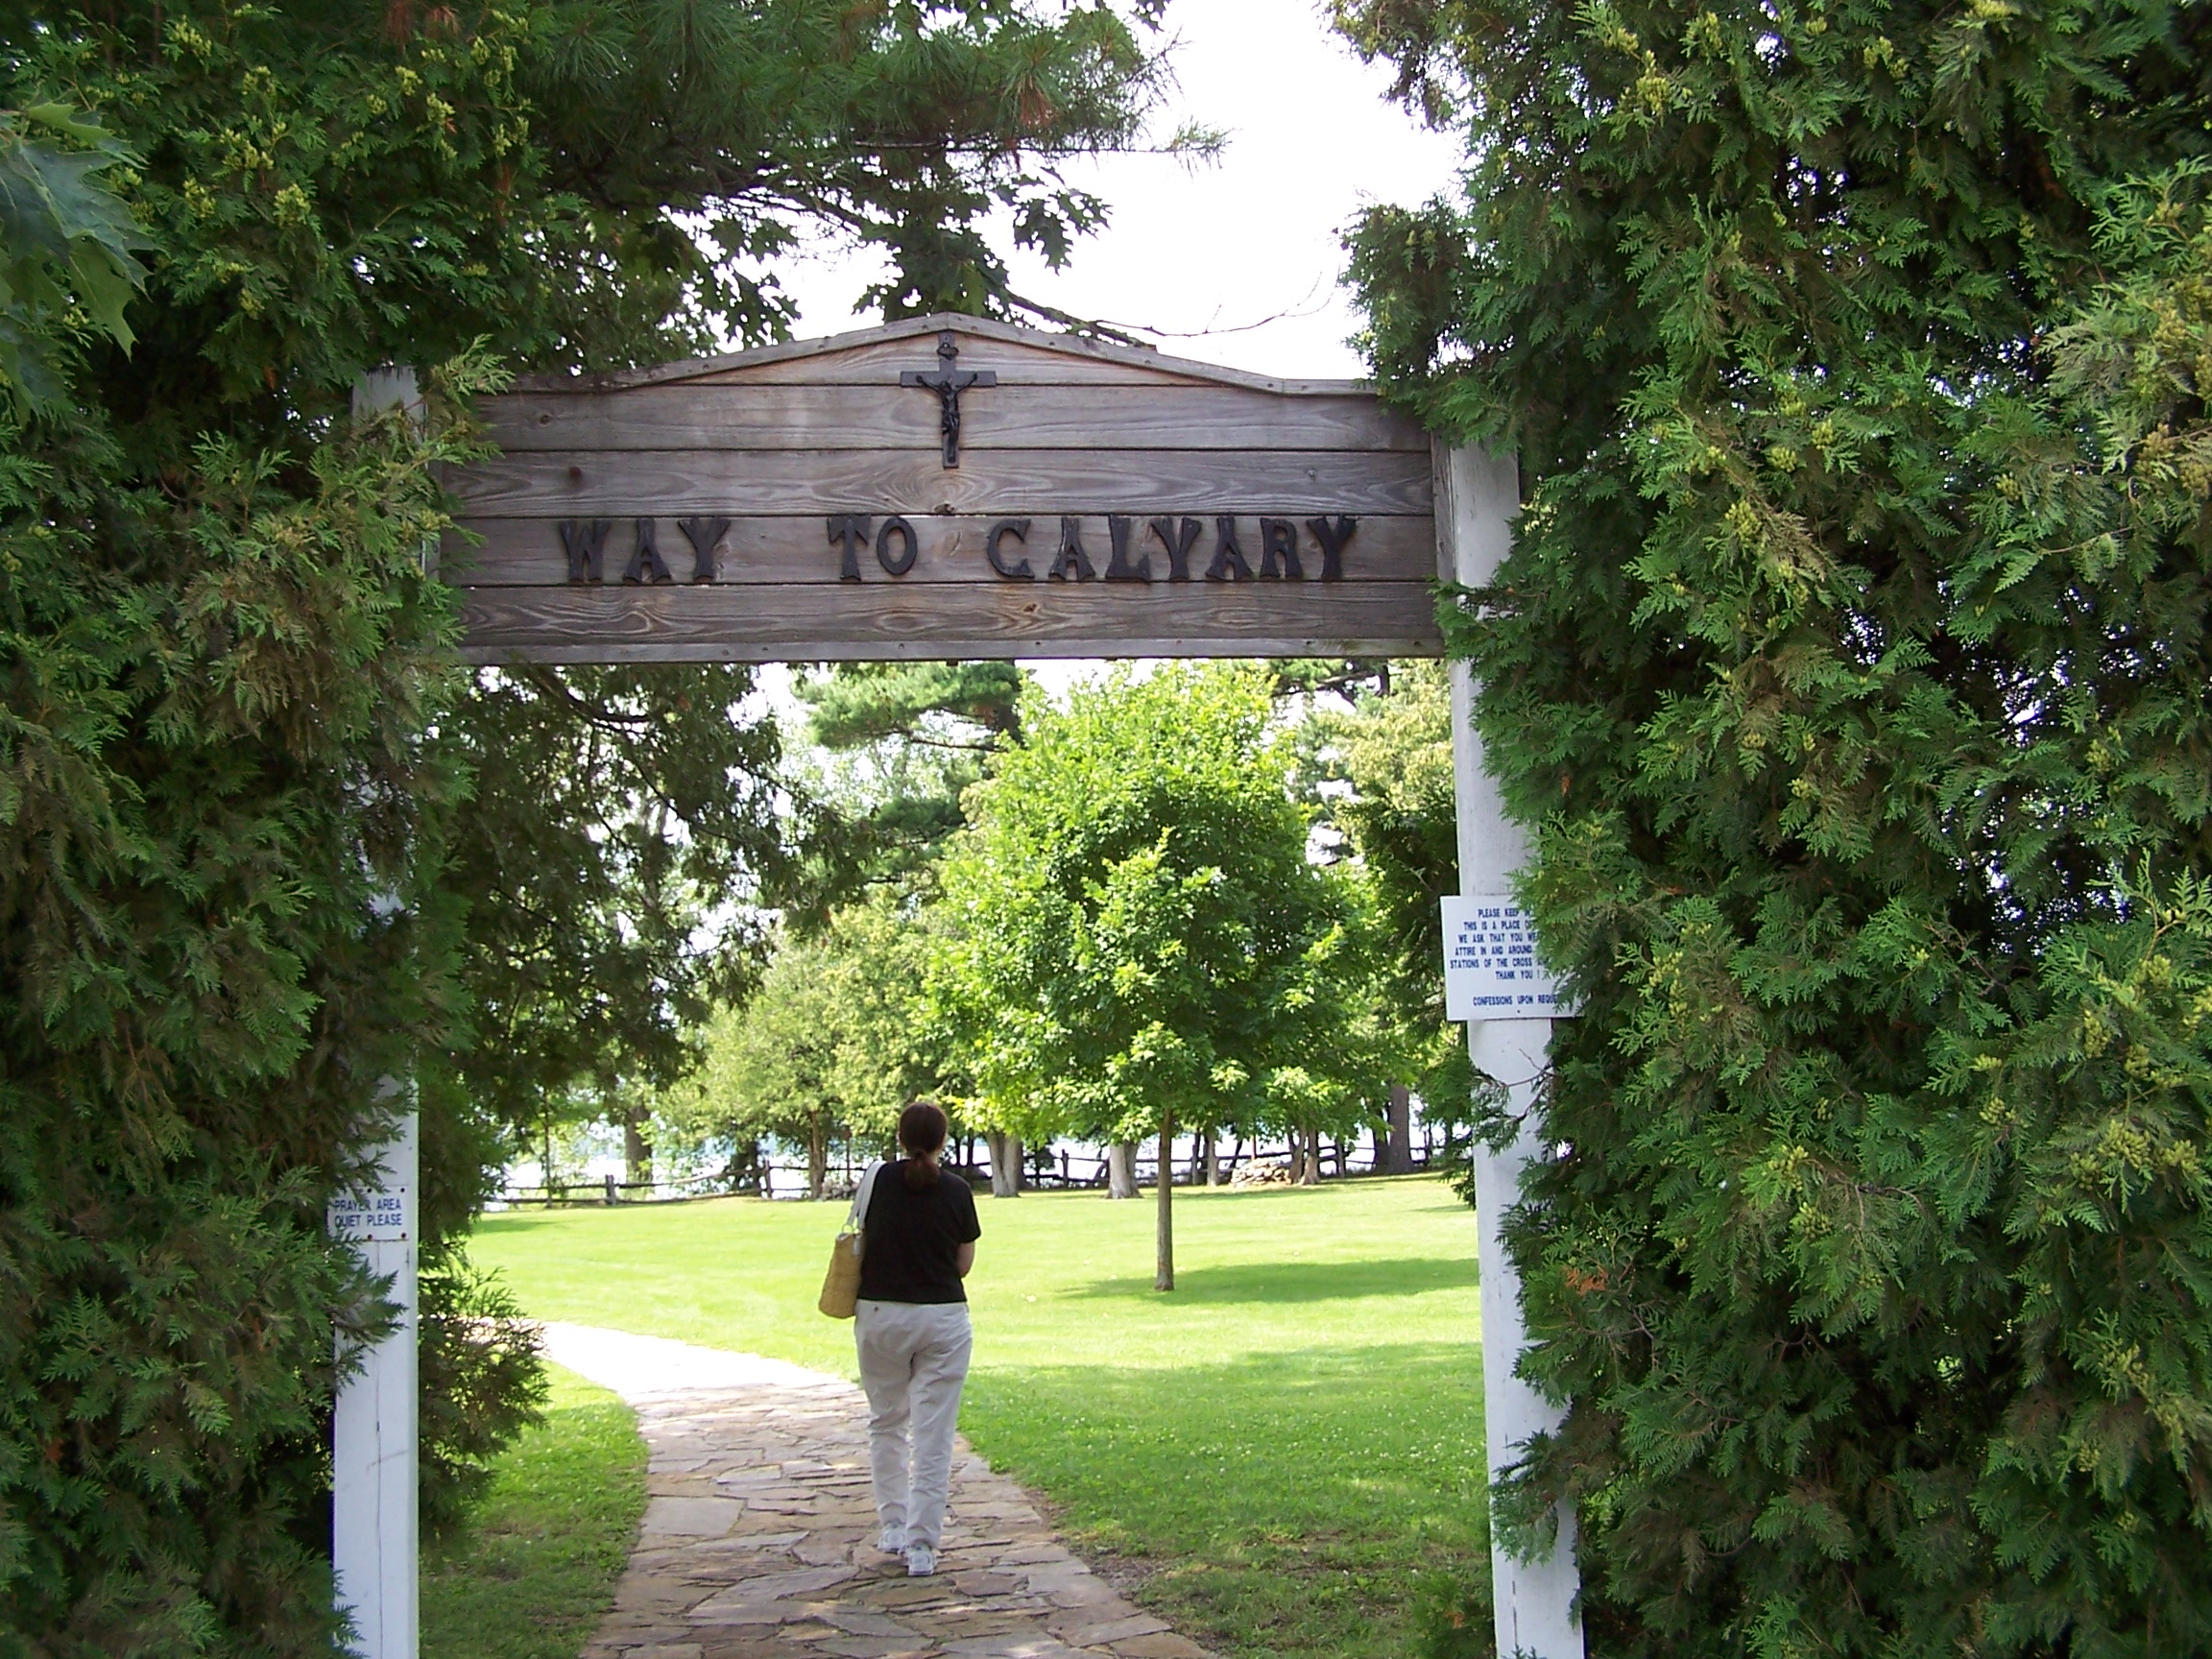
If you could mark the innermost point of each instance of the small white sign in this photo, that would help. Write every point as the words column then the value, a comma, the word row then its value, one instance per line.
column 371, row 1218
column 1490, row 966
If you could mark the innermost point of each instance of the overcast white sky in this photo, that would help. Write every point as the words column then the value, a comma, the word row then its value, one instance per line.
column 1210, row 253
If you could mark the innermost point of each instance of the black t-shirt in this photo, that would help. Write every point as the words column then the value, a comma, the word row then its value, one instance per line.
column 914, row 1239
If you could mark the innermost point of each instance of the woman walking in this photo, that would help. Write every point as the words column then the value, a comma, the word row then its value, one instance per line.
column 911, row 1328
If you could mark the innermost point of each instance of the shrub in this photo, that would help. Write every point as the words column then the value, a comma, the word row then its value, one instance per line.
column 1851, row 660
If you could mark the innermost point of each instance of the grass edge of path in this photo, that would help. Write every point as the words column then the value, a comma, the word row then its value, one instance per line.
column 535, row 1572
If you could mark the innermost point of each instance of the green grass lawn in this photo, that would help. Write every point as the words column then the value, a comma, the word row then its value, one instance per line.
column 536, row 1567
column 1285, row 1445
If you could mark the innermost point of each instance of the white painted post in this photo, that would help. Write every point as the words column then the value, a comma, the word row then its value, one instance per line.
column 1477, row 495
column 374, row 1467
column 373, row 1456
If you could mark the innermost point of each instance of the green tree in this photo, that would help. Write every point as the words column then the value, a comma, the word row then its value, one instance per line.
column 622, row 832
column 896, row 1050
column 809, row 1059
column 896, row 744
column 1392, row 749
column 230, row 719
column 1851, row 660
column 1134, row 930
column 899, row 745
column 67, row 249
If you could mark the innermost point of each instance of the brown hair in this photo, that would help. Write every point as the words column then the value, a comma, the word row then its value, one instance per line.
column 922, row 1130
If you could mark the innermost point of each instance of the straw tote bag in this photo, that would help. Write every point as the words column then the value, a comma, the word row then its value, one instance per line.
column 841, row 1285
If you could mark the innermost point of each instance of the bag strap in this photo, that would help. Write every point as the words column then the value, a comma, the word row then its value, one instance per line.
column 856, row 1217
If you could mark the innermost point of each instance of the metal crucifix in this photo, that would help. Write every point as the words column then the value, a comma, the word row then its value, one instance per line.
column 949, row 382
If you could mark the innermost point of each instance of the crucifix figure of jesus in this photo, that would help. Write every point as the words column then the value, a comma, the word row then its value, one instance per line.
column 949, row 382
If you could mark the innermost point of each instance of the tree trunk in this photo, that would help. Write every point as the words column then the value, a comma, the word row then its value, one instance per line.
column 1163, row 1256
column 1121, row 1170
column 817, row 1159
column 1308, row 1171
column 1398, row 1152
column 636, row 1150
column 1005, row 1164
column 1206, row 1168
column 744, row 1170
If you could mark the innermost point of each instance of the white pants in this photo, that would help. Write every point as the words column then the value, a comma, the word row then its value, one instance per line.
column 913, row 1359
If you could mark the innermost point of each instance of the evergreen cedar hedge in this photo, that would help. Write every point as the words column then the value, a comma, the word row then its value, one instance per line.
column 228, row 716
column 1851, row 659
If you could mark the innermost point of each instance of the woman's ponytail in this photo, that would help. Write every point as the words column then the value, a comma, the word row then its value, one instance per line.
column 922, row 1130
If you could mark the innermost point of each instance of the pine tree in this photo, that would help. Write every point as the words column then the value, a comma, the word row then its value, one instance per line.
column 1851, row 663
column 896, row 745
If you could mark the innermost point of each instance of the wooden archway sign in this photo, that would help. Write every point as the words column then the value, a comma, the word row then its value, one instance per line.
column 945, row 487
column 952, row 487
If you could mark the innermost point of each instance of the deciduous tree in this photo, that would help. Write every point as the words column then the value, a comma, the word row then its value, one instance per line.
column 815, row 1055
column 1392, row 752
column 1135, row 930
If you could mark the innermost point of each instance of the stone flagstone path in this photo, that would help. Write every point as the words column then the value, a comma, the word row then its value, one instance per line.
column 759, row 1539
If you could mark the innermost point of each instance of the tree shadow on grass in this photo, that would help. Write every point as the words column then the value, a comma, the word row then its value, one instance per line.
column 1301, row 1281
column 513, row 1222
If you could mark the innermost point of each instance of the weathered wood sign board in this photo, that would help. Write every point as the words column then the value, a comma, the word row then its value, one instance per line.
column 939, row 487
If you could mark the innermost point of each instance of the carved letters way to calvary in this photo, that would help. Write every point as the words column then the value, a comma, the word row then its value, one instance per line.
column 945, row 488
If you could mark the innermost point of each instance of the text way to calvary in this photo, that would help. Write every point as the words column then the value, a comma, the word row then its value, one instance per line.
column 1173, row 548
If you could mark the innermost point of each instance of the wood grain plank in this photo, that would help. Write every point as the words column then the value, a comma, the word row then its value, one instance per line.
column 1016, row 363
column 886, row 416
column 528, row 552
column 873, row 366
column 884, row 623
column 599, row 483
column 1075, row 357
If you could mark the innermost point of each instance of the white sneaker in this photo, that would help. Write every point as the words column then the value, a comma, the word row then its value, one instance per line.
column 921, row 1561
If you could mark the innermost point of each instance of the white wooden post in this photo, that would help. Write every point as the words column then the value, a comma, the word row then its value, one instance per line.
column 1477, row 495
column 374, row 1473
column 373, row 1458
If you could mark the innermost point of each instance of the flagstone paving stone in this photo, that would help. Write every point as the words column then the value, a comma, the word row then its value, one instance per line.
column 758, row 1540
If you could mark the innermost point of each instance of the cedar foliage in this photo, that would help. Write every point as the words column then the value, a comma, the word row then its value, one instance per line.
column 1851, row 662
column 228, row 716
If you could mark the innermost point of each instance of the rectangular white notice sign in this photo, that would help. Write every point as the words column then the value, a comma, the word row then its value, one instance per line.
column 371, row 1217
column 1490, row 966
